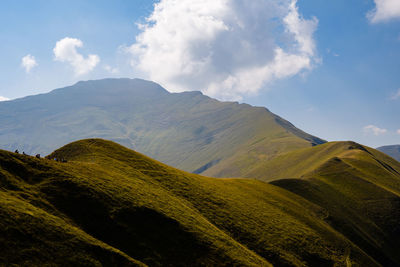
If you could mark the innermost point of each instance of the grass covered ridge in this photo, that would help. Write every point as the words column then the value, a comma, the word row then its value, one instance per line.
column 119, row 207
column 357, row 186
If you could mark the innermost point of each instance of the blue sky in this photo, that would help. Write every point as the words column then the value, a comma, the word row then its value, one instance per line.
column 330, row 67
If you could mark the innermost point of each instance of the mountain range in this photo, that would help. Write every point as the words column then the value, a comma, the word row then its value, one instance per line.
column 188, row 130
column 300, row 201
column 105, row 204
column 393, row 151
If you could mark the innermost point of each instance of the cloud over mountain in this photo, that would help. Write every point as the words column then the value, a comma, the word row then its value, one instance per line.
column 28, row 62
column 396, row 95
column 374, row 130
column 225, row 48
column 384, row 10
column 65, row 51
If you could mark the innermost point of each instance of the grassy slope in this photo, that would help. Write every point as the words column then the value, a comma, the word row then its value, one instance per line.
column 357, row 186
column 132, row 207
column 33, row 232
column 187, row 130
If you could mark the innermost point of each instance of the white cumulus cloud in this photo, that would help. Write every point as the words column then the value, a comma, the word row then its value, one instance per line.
column 384, row 10
column 225, row 48
column 28, row 62
column 2, row 98
column 65, row 51
column 396, row 95
column 374, row 130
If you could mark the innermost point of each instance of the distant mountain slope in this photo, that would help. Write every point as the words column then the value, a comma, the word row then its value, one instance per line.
column 358, row 187
column 187, row 130
column 393, row 151
column 112, row 206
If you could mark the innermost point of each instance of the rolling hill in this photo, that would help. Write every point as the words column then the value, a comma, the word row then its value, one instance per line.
column 393, row 151
column 357, row 186
column 109, row 205
column 187, row 130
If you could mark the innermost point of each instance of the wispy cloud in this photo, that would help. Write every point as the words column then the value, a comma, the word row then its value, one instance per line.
column 311, row 109
column 65, row 51
column 225, row 48
column 28, row 62
column 398, row 131
column 111, row 69
column 396, row 95
column 374, row 130
column 384, row 10
column 2, row 98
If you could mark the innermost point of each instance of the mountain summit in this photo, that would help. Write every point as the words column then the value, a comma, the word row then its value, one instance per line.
column 187, row 130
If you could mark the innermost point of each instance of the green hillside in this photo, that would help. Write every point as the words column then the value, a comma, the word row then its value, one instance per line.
column 187, row 130
column 112, row 206
column 357, row 186
column 393, row 151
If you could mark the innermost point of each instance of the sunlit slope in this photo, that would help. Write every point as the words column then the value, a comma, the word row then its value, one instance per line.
column 357, row 186
column 137, row 208
column 188, row 130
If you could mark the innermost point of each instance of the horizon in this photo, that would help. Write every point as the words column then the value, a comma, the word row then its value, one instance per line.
column 331, row 69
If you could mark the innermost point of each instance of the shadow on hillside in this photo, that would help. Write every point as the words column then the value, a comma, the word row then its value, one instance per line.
column 140, row 232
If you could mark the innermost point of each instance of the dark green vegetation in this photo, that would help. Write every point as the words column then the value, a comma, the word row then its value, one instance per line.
column 110, row 205
column 188, row 130
column 393, row 151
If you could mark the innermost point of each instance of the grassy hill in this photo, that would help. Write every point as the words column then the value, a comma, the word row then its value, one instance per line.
column 393, row 151
column 357, row 186
column 187, row 130
column 113, row 206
